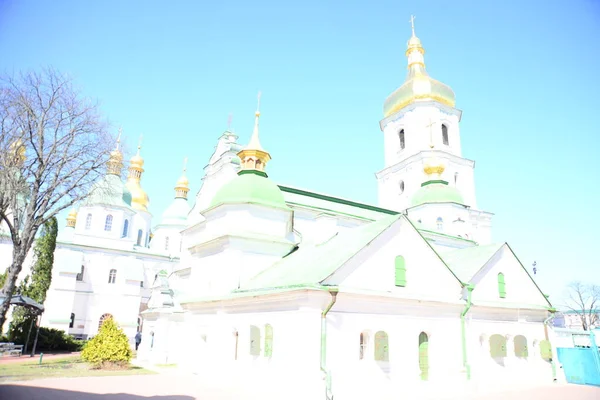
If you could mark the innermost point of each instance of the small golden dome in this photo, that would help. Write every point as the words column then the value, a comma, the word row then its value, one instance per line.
column 182, row 187
column 137, row 160
column 72, row 218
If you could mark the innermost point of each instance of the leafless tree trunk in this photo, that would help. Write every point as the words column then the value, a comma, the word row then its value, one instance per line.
column 584, row 301
column 53, row 147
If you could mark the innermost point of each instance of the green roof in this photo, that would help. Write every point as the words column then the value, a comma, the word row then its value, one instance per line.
column 250, row 187
column 311, row 264
column 176, row 213
column 110, row 191
column 437, row 192
column 465, row 263
column 335, row 205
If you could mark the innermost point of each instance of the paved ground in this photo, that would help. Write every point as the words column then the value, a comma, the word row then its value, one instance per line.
column 176, row 387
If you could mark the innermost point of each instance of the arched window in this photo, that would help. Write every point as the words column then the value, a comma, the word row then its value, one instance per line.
column 79, row 276
column 501, row 286
column 445, row 134
column 103, row 318
column 125, row 228
column 167, row 243
column 112, row 276
column 88, row 221
column 72, row 320
column 364, row 344
column 235, row 344
column 521, row 350
column 108, row 223
column 382, row 348
column 401, row 138
column 401, row 186
column 400, row 271
column 424, row 355
column 254, row 340
column 456, row 179
column 140, row 237
column 268, row 341
column 440, row 224
column 497, row 346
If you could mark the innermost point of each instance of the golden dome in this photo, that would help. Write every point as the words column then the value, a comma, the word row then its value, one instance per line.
column 72, row 218
column 139, row 198
column 253, row 156
column 115, row 161
column 182, row 187
column 418, row 86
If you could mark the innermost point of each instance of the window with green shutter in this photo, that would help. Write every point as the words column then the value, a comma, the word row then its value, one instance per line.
column 254, row 340
column 400, row 271
column 498, row 346
column 501, row 286
column 382, row 349
column 520, row 343
column 268, row 341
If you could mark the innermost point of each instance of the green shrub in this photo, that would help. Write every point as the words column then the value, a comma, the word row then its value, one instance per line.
column 48, row 339
column 109, row 347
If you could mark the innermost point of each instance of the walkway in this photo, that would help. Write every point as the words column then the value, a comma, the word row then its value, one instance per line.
column 174, row 387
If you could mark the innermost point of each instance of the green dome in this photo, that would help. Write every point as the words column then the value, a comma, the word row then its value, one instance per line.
column 250, row 187
column 176, row 213
column 110, row 191
column 437, row 192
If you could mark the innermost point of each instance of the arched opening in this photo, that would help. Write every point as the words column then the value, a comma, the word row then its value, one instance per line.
column 424, row 355
column 103, row 318
column 79, row 276
column 268, row 341
column 440, row 223
column 401, row 138
column 235, row 344
column 108, row 223
column 254, row 340
column 112, row 276
column 498, row 348
column 364, row 344
column 401, row 186
column 72, row 320
column 445, row 134
column 520, row 343
column 382, row 348
column 88, row 221
column 140, row 236
column 167, row 243
column 125, row 228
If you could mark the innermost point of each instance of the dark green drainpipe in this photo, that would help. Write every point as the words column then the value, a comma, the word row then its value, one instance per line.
column 466, row 365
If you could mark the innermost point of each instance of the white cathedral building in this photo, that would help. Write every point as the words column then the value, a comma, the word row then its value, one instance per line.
column 290, row 292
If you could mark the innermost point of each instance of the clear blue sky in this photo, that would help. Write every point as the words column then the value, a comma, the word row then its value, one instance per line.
column 526, row 75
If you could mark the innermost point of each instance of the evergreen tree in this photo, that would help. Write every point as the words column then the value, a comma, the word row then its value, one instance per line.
column 109, row 347
column 41, row 277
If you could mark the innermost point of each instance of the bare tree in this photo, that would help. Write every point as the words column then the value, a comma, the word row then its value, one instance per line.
column 584, row 301
column 53, row 147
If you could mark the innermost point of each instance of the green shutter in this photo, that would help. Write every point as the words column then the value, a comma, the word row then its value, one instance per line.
column 268, row 341
column 501, row 286
column 382, row 347
column 497, row 346
column 424, row 355
column 546, row 350
column 400, row 271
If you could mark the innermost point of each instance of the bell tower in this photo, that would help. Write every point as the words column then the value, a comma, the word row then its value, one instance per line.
column 420, row 123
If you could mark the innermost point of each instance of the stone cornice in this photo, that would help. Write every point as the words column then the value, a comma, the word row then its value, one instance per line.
column 421, row 156
column 411, row 107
